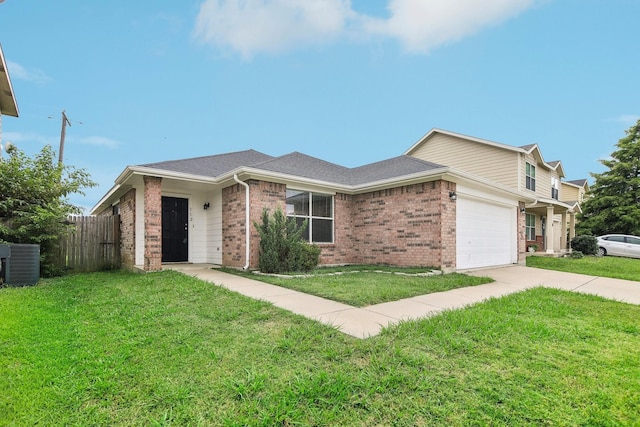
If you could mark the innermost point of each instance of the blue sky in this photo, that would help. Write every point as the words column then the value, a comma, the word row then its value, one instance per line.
column 351, row 82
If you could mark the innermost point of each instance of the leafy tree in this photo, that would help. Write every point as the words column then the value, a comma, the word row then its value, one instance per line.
column 282, row 248
column 33, row 204
column 614, row 202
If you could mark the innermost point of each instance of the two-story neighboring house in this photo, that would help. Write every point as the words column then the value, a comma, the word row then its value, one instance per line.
column 574, row 192
column 549, row 219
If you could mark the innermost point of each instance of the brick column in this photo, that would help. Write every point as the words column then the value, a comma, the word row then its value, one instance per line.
column 152, row 223
column 522, row 233
column 128, row 228
column 448, row 226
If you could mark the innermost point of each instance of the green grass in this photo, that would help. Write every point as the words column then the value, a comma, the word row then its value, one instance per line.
column 362, row 286
column 120, row 349
column 607, row 266
column 364, row 267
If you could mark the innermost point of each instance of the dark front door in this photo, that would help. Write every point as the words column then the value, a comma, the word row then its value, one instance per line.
column 175, row 229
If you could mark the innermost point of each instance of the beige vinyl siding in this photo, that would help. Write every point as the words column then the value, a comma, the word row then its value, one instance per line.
column 543, row 177
column 569, row 193
column 484, row 160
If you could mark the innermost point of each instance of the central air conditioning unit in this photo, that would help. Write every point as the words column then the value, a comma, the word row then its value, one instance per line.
column 19, row 264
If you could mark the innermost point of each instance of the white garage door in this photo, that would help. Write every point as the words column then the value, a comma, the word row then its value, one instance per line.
column 485, row 234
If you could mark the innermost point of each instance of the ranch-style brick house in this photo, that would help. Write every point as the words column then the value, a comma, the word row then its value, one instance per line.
column 451, row 201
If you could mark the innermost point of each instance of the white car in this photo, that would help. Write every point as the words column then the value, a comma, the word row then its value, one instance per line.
column 619, row 245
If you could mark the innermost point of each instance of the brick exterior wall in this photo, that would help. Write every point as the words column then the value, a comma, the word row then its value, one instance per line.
column 408, row 226
column 449, row 226
column 342, row 249
column 127, row 207
column 522, row 233
column 152, row 223
column 261, row 195
column 233, row 231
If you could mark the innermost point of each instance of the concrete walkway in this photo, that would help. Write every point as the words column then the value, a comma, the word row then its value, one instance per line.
column 369, row 321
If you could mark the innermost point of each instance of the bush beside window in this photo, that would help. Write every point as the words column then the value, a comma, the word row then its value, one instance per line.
column 282, row 248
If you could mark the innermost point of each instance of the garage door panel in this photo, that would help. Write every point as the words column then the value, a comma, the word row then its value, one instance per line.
column 485, row 234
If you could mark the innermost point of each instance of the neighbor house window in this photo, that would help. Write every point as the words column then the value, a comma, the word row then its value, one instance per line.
column 531, row 227
column 554, row 188
column 316, row 209
column 531, row 177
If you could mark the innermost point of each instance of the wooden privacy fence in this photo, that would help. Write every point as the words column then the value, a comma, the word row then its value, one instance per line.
column 92, row 245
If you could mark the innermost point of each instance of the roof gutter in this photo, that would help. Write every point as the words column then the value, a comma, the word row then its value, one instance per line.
column 103, row 201
column 160, row 173
column 247, row 229
column 252, row 173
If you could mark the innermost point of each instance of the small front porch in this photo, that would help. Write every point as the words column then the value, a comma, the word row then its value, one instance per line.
column 550, row 227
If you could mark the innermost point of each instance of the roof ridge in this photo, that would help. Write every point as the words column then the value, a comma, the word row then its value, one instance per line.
column 304, row 155
column 250, row 150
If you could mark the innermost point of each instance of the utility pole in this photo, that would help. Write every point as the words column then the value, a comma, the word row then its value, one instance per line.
column 65, row 122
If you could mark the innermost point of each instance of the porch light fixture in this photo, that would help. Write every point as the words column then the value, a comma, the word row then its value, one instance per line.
column 206, row 206
column 452, row 195
column 522, row 210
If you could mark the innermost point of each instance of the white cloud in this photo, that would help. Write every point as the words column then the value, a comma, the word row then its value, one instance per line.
column 19, row 72
column 421, row 25
column 27, row 138
column 19, row 138
column 250, row 27
column 626, row 119
column 99, row 141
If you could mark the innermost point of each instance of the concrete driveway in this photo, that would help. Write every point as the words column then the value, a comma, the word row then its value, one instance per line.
column 368, row 321
column 616, row 289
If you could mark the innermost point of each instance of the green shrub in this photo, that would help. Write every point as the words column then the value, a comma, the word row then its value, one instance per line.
column 310, row 257
column 34, row 203
column 588, row 245
column 282, row 248
column 576, row 255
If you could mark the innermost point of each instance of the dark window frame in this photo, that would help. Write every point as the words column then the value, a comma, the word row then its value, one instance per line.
column 530, row 173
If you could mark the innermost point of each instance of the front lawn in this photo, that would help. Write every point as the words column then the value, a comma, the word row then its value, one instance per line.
column 120, row 349
column 361, row 286
column 607, row 266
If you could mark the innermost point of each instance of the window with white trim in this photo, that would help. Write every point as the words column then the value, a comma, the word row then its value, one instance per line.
column 555, row 193
column 316, row 209
column 530, row 229
column 530, row 173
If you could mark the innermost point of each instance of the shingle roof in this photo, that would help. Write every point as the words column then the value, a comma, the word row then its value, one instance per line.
column 578, row 182
column 213, row 166
column 298, row 164
column 391, row 168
